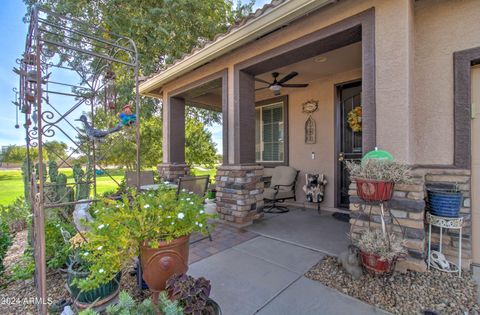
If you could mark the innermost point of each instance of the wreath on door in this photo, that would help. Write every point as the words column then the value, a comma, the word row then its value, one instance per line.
column 354, row 119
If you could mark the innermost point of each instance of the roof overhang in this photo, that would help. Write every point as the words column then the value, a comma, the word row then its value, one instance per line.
column 269, row 21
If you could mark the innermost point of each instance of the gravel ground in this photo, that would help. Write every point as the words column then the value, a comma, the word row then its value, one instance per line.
column 409, row 293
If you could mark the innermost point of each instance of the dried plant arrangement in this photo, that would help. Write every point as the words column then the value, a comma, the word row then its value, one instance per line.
column 387, row 247
column 382, row 170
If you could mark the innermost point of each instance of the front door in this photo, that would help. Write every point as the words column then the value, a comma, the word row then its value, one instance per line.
column 348, row 134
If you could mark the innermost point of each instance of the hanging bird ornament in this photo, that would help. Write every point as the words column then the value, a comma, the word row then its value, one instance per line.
column 96, row 134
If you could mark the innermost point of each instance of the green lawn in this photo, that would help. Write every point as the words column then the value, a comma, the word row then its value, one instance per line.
column 11, row 181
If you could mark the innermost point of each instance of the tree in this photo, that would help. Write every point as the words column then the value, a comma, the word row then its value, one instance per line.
column 163, row 30
column 56, row 150
column 16, row 154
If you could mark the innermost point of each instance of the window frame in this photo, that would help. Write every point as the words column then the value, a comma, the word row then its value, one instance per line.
column 279, row 99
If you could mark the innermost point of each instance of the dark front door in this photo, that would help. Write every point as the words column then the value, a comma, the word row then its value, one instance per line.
column 349, row 135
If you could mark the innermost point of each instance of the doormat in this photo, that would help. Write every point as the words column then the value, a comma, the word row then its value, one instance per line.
column 344, row 217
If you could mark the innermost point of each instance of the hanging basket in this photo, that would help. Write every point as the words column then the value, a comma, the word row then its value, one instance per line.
column 371, row 190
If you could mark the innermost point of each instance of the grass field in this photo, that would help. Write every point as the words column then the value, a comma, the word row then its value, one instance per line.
column 11, row 182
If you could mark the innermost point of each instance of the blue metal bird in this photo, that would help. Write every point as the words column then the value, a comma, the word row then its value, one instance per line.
column 96, row 134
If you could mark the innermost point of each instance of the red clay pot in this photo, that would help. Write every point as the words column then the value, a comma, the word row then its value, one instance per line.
column 374, row 190
column 374, row 264
column 159, row 264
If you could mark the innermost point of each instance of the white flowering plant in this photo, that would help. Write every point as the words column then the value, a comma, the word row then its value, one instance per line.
column 122, row 226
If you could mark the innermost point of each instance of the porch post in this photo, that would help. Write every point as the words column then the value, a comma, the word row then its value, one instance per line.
column 239, row 182
column 173, row 145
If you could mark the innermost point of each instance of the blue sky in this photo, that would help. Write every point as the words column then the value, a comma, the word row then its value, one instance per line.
column 13, row 32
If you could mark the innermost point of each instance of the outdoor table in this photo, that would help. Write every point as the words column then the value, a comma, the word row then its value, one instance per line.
column 445, row 223
column 156, row 186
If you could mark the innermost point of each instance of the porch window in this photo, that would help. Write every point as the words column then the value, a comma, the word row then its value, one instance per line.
column 270, row 131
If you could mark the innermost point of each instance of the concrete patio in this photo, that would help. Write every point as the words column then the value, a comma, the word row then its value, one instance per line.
column 264, row 275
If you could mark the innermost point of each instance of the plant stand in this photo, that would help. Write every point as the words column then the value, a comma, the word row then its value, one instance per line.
column 375, row 193
column 445, row 223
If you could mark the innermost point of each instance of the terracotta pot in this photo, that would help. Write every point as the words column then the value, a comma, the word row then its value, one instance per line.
column 374, row 264
column 159, row 264
column 374, row 190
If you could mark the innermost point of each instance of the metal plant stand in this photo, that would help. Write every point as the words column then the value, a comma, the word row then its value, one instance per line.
column 445, row 223
column 61, row 47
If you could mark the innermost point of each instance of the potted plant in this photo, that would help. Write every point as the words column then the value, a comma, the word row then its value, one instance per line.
column 126, row 305
column 379, row 252
column 375, row 178
column 155, row 225
column 192, row 294
column 444, row 200
column 78, row 269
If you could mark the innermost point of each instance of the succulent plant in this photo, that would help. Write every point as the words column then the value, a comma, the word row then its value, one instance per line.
column 193, row 294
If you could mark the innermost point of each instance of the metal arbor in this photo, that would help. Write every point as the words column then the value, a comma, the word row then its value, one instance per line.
column 62, row 47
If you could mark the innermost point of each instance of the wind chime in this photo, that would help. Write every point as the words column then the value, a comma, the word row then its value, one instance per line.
column 17, row 105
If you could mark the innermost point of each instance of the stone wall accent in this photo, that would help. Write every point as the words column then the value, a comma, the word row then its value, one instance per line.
column 408, row 206
column 239, row 193
column 171, row 171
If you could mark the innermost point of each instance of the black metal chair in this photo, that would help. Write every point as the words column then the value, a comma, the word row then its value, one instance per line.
column 146, row 178
column 197, row 185
column 282, row 187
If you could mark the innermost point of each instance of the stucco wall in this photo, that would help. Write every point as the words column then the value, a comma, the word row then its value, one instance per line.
column 441, row 28
column 322, row 90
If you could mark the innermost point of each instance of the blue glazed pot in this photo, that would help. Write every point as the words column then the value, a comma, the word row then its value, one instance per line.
column 444, row 203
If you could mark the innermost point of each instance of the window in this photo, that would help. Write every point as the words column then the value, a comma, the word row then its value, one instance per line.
column 270, row 131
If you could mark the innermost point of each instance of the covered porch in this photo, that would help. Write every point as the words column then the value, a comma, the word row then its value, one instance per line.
column 264, row 126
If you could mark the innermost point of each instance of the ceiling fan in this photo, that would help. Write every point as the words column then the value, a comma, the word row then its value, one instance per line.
column 276, row 86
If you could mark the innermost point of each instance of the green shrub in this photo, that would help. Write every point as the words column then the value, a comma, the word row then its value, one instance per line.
column 5, row 242
column 16, row 214
column 25, row 268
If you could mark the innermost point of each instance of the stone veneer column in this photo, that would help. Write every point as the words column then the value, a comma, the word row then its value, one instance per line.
column 172, row 172
column 408, row 206
column 239, row 193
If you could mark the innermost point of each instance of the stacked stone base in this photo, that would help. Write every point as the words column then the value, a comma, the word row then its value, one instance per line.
column 172, row 172
column 408, row 206
column 239, row 193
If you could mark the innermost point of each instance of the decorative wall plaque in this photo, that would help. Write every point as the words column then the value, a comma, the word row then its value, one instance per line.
column 310, row 130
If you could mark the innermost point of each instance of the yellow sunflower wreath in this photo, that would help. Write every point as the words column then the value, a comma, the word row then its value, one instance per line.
column 354, row 119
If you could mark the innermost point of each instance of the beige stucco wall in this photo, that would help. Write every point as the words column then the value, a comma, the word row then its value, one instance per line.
column 325, row 161
column 441, row 28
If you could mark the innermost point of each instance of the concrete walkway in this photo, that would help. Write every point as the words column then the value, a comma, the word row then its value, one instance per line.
column 265, row 276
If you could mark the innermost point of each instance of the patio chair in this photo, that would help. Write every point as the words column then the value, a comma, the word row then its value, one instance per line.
column 282, row 187
column 146, row 178
column 197, row 185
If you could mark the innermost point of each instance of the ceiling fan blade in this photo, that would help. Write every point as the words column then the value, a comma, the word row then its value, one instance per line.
column 263, row 88
column 295, row 85
column 263, row 81
column 289, row 76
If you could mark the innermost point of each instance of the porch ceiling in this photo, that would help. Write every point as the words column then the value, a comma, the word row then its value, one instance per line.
column 336, row 61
